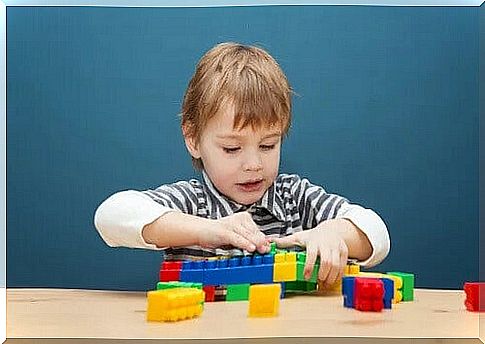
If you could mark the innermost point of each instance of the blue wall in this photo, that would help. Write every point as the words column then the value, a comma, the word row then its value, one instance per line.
column 387, row 115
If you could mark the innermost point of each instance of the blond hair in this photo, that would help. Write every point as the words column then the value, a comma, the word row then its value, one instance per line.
column 246, row 76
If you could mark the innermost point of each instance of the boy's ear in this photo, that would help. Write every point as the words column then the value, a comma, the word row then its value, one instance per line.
column 190, row 143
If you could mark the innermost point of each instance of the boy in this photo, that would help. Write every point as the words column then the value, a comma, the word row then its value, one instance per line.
column 235, row 113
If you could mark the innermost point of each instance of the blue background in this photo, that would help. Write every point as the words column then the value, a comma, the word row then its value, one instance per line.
column 386, row 115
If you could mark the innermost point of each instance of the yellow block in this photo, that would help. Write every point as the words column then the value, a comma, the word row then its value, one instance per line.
column 264, row 300
column 352, row 269
column 284, row 267
column 174, row 304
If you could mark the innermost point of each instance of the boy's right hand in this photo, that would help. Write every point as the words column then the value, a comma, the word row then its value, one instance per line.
column 238, row 230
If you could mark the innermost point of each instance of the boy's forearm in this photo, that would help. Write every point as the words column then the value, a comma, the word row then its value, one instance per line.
column 358, row 245
column 175, row 229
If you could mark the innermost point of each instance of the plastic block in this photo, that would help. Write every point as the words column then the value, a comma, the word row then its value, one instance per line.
column 475, row 296
column 348, row 291
column 300, row 286
column 397, row 284
column 369, row 294
column 264, row 300
column 177, row 284
column 283, row 290
column 300, row 266
column 240, row 271
column 170, row 271
column 388, row 292
column 237, row 292
column 407, row 285
column 174, row 304
column 192, row 271
column 210, row 293
column 352, row 269
column 284, row 267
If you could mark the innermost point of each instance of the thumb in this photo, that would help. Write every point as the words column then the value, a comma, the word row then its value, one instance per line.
column 287, row 241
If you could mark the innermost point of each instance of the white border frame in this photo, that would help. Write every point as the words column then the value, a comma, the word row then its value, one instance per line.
column 131, row 3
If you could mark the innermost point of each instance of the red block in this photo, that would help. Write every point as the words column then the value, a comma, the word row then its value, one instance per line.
column 369, row 294
column 210, row 293
column 170, row 271
column 475, row 296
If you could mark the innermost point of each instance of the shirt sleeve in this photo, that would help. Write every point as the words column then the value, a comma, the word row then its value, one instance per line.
column 121, row 217
column 314, row 203
column 372, row 226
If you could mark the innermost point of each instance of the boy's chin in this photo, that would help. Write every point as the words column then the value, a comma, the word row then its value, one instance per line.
column 246, row 199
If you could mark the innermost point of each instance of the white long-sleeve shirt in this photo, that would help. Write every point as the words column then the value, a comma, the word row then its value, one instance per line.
column 290, row 205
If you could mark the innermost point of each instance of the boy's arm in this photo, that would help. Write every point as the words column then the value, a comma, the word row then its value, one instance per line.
column 158, row 219
column 360, row 229
column 357, row 226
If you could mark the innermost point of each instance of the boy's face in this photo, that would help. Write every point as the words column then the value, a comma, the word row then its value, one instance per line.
column 242, row 164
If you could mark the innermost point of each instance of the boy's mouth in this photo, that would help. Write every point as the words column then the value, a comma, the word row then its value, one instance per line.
column 251, row 186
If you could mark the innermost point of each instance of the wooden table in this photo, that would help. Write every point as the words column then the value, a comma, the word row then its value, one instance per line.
column 107, row 315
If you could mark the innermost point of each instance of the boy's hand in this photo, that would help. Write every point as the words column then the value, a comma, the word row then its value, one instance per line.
column 238, row 230
column 325, row 242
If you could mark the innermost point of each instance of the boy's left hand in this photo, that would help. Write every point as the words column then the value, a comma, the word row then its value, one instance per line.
column 323, row 241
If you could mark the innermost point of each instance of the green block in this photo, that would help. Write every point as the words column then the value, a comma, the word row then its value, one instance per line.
column 272, row 248
column 300, row 286
column 300, row 266
column 407, row 285
column 170, row 285
column 237, row 292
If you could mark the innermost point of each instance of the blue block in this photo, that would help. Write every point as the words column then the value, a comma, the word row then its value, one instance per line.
column 238, row 271
column 388, row 292
column 348, row 283
column 192, row 272
column 283, row 289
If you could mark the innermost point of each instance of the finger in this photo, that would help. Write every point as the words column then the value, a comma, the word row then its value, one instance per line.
column 258, row 238
column 344, row 255
column 287, row 241
column 325, row 263
column 334, row 267
column 311, row 257
column 239, row 241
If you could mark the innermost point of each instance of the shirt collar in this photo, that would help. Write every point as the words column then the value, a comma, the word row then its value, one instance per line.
column 270, row 201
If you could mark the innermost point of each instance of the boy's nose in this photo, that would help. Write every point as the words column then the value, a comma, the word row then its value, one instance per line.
column 253, row 163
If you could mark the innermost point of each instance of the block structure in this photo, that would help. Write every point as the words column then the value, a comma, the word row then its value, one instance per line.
column 174, row 304
column 264, row 300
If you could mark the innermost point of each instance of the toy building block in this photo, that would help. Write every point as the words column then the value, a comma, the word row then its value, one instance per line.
column 300, row 286
column 174, row 304
column 352, row 269
column 237, row 292
column 284, row 267
column 170, row 271
column 407, row 289
column 192, row 271
column 369, row 294
column 264, row 300
column 475, row 296
column 177, row 284
column 248, row 269
column 396, row 283
column 210, row 293
column 300, row 267
column 348, row 291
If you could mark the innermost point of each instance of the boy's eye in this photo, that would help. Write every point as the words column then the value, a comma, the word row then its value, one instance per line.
column 267, row 147
column 230, row 149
